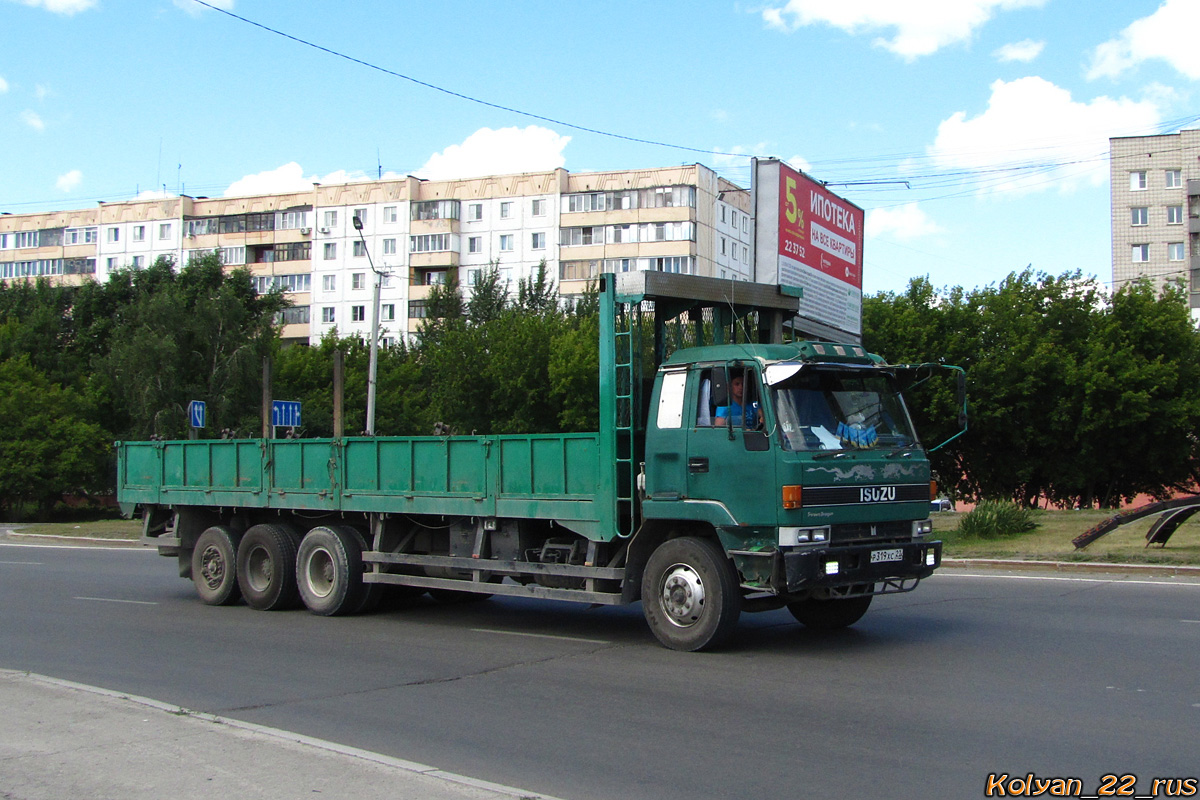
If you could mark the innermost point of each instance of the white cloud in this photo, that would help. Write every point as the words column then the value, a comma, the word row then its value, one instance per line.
column 64, row 7
column 1031, row 133
column 920, row 27
column 288, row 178
column 69, row 182
column 33, row 120
column 1164, row 34
column 41, row 92
column 3, row 85
column 904, row 222
column 1024, row 51
column 195, row 9
column 498, row 152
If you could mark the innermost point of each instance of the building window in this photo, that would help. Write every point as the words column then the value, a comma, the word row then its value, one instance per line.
column 358, row 313
column 360, row 248
column 745, row 224
column 327, row 314
column 114, row 234
column 387, row 312
column 330, row 251
column 429, row 243
column 733, row 219
column 296, row 315
column 723, row 246
column 164, row 230
column 474, row 244
column 1174, row 215
column 139, row 233
column 1175, row 251
column 329, row 283
column 506, row 243
column 506, row 210
column 436, row 209
column 286, row 283
column 1137, row 181
column 1174, row 178
column 389, row 214
column 1141, row 253
column 330, row 222
column 539, row 208
column 389, row 247
column 358, row 280
column 360, row 214
column 30, row 238
column 475, row 212
column 139, row 262
column 110, row 264
column 1139, row 216
column 574, row 237
column 417, row 309
column 538, row 241
column 291, row 220
column 584, row 202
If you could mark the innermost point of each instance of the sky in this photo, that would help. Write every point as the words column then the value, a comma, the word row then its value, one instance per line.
column 973, row 132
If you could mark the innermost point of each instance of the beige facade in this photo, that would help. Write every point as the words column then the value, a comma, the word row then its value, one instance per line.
column 419, row 233
column 1156, row 210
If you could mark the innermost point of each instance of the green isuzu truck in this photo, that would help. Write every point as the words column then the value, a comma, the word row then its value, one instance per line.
column 732, row 472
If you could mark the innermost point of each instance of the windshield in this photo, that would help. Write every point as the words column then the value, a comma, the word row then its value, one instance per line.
column 822, row 409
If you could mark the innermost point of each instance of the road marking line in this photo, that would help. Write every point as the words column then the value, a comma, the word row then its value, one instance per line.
column 542, row 636
column 1115, row 581
column 30, row 563
column 115, row 600
column 1193, row 621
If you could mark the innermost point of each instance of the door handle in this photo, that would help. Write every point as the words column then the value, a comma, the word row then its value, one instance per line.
column 697, row 464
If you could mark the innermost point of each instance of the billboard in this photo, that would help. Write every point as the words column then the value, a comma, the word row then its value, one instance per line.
column 809, row 237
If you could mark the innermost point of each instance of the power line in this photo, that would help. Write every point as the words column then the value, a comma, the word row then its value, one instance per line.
column 466, row 97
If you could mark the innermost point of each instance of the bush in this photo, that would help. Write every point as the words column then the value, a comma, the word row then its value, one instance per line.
column 994, row 519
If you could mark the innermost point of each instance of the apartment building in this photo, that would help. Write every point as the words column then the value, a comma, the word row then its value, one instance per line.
column 416, row 232
column 1156, row 210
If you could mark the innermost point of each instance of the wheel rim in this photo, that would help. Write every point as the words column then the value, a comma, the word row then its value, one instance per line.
column 320, row 570
column 260, row 569
column 682, row 596
column 212, row 567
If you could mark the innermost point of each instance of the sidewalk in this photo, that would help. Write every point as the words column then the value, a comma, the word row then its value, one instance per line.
column 64, row 740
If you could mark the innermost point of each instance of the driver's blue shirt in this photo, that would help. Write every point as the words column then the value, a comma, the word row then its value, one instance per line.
column 749, row 415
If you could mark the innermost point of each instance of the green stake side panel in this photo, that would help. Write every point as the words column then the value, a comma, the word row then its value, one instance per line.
column 543, row 476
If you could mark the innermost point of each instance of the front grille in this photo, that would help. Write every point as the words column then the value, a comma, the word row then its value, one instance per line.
column 864, row 495
column 881, row 532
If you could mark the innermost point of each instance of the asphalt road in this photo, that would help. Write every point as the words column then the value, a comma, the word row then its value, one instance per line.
column 1077, row 676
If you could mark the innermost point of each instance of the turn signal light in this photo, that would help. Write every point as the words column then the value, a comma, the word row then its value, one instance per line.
column 791, row 496
column 932, row 491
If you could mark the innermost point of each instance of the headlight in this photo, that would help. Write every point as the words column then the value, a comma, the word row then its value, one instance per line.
column 789, row 537
column 922, row 527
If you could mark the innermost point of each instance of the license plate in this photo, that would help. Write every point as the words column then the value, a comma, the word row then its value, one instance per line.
column 880, row 556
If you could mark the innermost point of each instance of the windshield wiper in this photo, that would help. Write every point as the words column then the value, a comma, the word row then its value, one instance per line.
column 830, row 454
column 903, row 450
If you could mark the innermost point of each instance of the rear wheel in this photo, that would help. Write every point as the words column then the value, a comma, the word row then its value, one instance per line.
column 329, row 571
column 266, row 567
column 690, row 594
column 214, row 567
column 830, row 615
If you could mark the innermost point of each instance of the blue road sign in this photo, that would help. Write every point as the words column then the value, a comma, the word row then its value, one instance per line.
column 197, row 411
column 285, row 413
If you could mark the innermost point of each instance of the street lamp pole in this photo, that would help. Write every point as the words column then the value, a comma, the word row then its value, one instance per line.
column 372, row 367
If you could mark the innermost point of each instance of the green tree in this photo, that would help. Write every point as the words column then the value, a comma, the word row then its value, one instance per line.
column 48, row 447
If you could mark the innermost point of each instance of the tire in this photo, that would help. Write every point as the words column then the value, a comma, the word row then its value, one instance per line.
column 214, row 567
column 690, row 594
column 829, row 615
column 329, row 570
column 266, row 567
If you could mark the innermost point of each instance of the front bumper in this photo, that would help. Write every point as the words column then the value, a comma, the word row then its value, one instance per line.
column 806, row 569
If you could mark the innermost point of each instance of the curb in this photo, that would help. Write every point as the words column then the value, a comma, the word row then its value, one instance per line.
column 1162, row 570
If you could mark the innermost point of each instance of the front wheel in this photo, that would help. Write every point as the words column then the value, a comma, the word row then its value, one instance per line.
column 690, row 594
column 830, row 615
